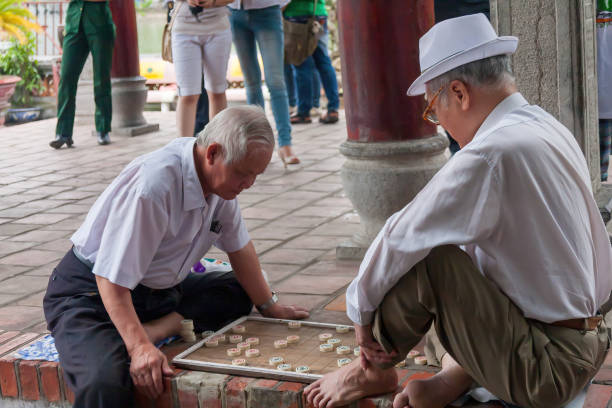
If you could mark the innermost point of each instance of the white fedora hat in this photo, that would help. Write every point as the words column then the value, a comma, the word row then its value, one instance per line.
column 455, row 42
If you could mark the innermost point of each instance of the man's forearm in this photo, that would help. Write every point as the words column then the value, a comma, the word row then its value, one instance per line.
column 118, row 303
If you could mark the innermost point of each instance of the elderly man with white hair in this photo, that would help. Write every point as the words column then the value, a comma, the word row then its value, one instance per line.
column 502, row 258
column 126, row 283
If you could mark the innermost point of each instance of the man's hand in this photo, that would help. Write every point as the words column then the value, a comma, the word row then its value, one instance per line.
column 193, row 3
column 147, row 369
column 291, row 312
column 371, row 351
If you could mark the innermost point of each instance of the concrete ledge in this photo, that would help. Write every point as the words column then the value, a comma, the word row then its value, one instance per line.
column 39, row 384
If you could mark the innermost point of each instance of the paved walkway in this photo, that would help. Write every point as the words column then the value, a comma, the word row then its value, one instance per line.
column 296, row 217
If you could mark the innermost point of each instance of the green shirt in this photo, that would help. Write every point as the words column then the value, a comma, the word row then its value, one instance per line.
column 299, row 8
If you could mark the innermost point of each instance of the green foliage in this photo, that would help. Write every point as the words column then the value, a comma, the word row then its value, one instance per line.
column 17, row 60
column 143, row 5
column 16, row 21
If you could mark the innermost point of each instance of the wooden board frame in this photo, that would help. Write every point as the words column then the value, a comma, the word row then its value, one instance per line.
column 182, row 361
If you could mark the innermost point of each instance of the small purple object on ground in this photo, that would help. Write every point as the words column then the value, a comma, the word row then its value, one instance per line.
column 198, row 268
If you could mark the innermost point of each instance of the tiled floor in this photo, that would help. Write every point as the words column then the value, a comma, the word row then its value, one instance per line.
column 296, row 217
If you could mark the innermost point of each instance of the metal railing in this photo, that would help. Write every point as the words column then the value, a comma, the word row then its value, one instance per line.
column 50, row 14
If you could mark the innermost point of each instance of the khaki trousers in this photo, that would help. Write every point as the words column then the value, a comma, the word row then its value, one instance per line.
column 523, row 362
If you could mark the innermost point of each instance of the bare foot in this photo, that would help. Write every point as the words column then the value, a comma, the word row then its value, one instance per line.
column 163, row 327
column 437, row 391
column 350, row 383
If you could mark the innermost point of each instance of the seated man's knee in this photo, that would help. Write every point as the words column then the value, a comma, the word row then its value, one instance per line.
column 105, row 381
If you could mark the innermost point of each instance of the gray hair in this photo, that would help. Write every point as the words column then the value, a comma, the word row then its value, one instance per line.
column 235, row 129
column 492, row 72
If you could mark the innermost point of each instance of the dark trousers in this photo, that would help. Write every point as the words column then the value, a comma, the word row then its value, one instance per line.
column 201, row 111
column 92, row 353
column 89, row 29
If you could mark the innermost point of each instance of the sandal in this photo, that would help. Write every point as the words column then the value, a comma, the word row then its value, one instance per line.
column 331, row 117
column 299, row 119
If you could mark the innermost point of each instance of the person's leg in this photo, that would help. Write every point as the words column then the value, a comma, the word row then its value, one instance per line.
column 92, row 353
column 328, row 79
column 304, row 73
column 291, row 86
column 521, row 361
column 605, row 137
column 93, row 357
column 268, row 27
column 201, row 111
column 217, row 102
column 75, row 51
column 316, row 89
column 213, row 299
column 215, row 57
column 101, row 42
column 244, row 41
column 187, row 55
column 185, row 114
column 524, row 362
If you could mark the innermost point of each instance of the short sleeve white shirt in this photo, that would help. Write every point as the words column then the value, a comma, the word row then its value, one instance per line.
column 518, row 199
column 152, row 223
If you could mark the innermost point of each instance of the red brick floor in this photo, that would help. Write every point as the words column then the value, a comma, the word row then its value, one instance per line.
column 296, row 218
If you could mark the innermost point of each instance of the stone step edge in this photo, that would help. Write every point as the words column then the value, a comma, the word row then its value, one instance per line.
column 33, row 380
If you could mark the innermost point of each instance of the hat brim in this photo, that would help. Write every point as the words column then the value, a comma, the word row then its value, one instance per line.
column 498, row 46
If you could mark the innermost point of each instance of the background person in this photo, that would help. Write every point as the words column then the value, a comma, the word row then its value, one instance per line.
column 89, row 28
column 258, row 24
column 201, row 45
column 300, row 11
column 604, row 82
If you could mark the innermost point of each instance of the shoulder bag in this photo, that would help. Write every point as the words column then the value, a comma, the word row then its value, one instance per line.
column 167, row 35
column 301, row 38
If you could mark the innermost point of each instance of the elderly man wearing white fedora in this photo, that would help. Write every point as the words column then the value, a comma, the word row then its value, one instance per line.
column 502, row 258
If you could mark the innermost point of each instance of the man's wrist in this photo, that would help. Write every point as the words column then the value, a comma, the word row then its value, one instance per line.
column 266, row 305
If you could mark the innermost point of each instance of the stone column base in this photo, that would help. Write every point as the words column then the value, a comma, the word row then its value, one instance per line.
column 129, row 98
column 132, row 130
column 381, row 178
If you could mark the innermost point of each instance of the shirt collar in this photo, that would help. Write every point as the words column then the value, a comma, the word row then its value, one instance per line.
column 510, row 103
column 193, row 197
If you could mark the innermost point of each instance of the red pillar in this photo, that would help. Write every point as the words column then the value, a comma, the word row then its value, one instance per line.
column 379, row 46
column 125, row 57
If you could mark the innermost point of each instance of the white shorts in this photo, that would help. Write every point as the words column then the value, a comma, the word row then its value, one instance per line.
column 197, row 54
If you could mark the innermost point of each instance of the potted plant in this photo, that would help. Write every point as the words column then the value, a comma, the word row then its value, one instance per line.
column 15, row 23
column 18, row 59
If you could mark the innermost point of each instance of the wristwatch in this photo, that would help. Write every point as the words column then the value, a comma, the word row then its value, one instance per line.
column 273, row 299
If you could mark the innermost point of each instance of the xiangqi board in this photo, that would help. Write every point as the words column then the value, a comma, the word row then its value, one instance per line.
column 285, row 352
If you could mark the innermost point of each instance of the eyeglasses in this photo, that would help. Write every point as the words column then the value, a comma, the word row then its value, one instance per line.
column 428, row 113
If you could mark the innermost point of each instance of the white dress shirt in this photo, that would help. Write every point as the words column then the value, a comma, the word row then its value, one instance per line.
column 518, row 199
column 258, row 4
column 152, row 223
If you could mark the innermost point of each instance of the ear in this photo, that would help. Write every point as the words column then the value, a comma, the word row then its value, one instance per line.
column 213, row 153
column 459, row 92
